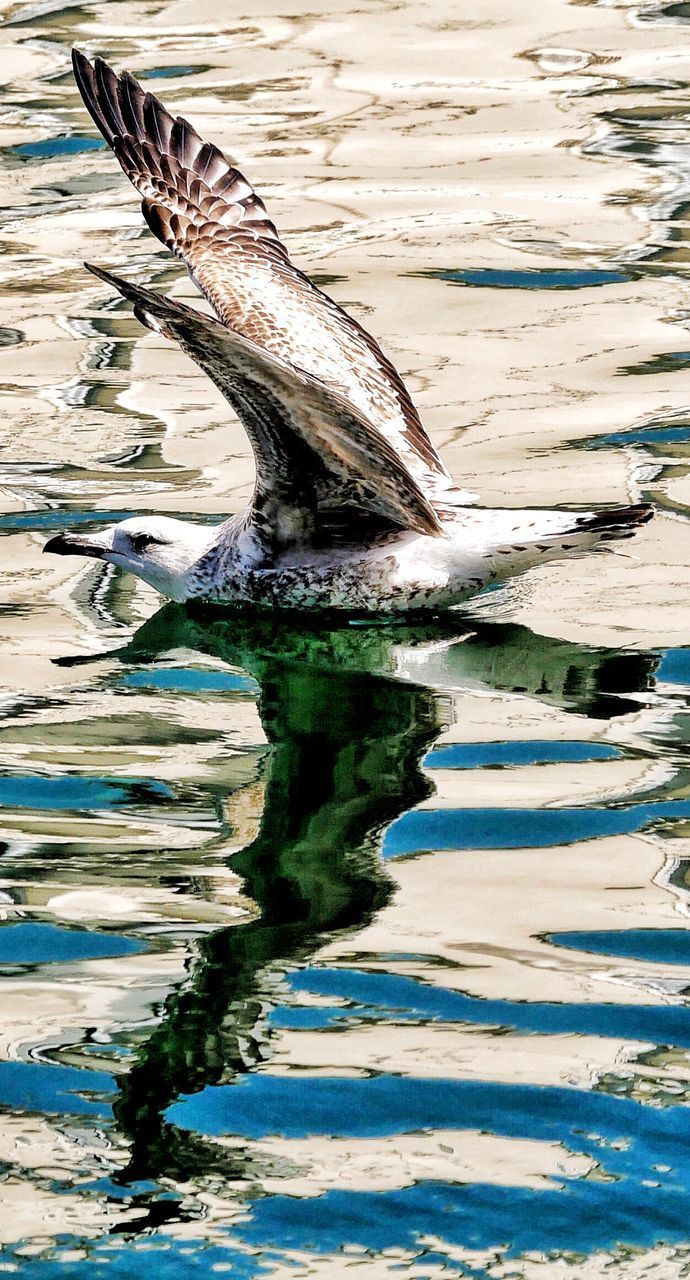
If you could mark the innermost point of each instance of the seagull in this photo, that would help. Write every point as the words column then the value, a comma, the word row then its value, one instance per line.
column 352, row 508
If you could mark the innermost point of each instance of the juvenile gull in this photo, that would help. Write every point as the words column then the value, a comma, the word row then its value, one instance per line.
column 352, row 507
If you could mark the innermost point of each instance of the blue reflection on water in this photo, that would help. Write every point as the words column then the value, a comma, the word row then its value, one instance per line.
column 32, row 942
column 119, row 1257
column 67, row 517
column 483, row 755
column 474, row 1216
column 172, row 72
column 660, row 946
column 297, row 1106
column 51, row 1088
column 72, row 792
column 537, row 278
column 652, row 434
column 190, row 680
column 425, row 829
column 50, row 148
column 674, row 666
column 380, row 996
column 582, row 1217
column 629, row 1141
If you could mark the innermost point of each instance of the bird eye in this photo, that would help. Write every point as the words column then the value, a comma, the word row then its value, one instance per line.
column 140, row 541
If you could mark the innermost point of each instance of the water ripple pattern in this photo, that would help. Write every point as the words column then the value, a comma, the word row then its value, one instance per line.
column 365, row 949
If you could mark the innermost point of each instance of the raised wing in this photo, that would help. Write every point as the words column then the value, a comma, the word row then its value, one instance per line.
column 313, row 450
column 205, row 211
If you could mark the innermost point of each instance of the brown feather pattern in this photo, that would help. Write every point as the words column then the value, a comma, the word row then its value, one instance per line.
column 308, row 441
column 206, row 212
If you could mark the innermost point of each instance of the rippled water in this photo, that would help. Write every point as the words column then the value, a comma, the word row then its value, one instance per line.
column 362, row 950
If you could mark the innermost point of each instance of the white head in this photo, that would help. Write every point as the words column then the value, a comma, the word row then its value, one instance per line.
column 158, row 549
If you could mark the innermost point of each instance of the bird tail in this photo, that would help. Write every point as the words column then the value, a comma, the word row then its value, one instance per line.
column 615, row 523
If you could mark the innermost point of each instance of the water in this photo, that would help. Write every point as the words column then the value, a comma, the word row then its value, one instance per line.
column 363, row 949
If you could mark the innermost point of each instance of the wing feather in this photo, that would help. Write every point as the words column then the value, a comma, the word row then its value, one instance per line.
column 206, row 212
column 300, row 428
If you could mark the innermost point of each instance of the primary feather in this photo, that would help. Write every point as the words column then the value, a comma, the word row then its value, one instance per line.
column 203, row 208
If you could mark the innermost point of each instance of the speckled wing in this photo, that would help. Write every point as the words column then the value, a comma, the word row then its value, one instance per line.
column 205, row 211
column 308, row 440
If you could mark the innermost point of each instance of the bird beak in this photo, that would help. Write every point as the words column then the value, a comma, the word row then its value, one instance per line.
column 74, row 544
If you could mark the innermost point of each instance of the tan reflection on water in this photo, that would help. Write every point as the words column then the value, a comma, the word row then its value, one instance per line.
column 393, row 141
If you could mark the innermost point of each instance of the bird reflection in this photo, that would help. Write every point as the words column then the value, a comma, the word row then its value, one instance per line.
column 346, row 742
column 349, row 711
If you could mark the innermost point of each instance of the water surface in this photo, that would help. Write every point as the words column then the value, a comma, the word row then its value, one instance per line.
column 352, row 949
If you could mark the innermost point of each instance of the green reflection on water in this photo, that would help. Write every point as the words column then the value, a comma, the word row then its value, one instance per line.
column 346, row 742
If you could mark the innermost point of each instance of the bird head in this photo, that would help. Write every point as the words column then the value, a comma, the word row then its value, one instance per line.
column 157, row 549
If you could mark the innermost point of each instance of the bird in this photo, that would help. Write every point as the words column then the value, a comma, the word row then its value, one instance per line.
column 352, row 508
